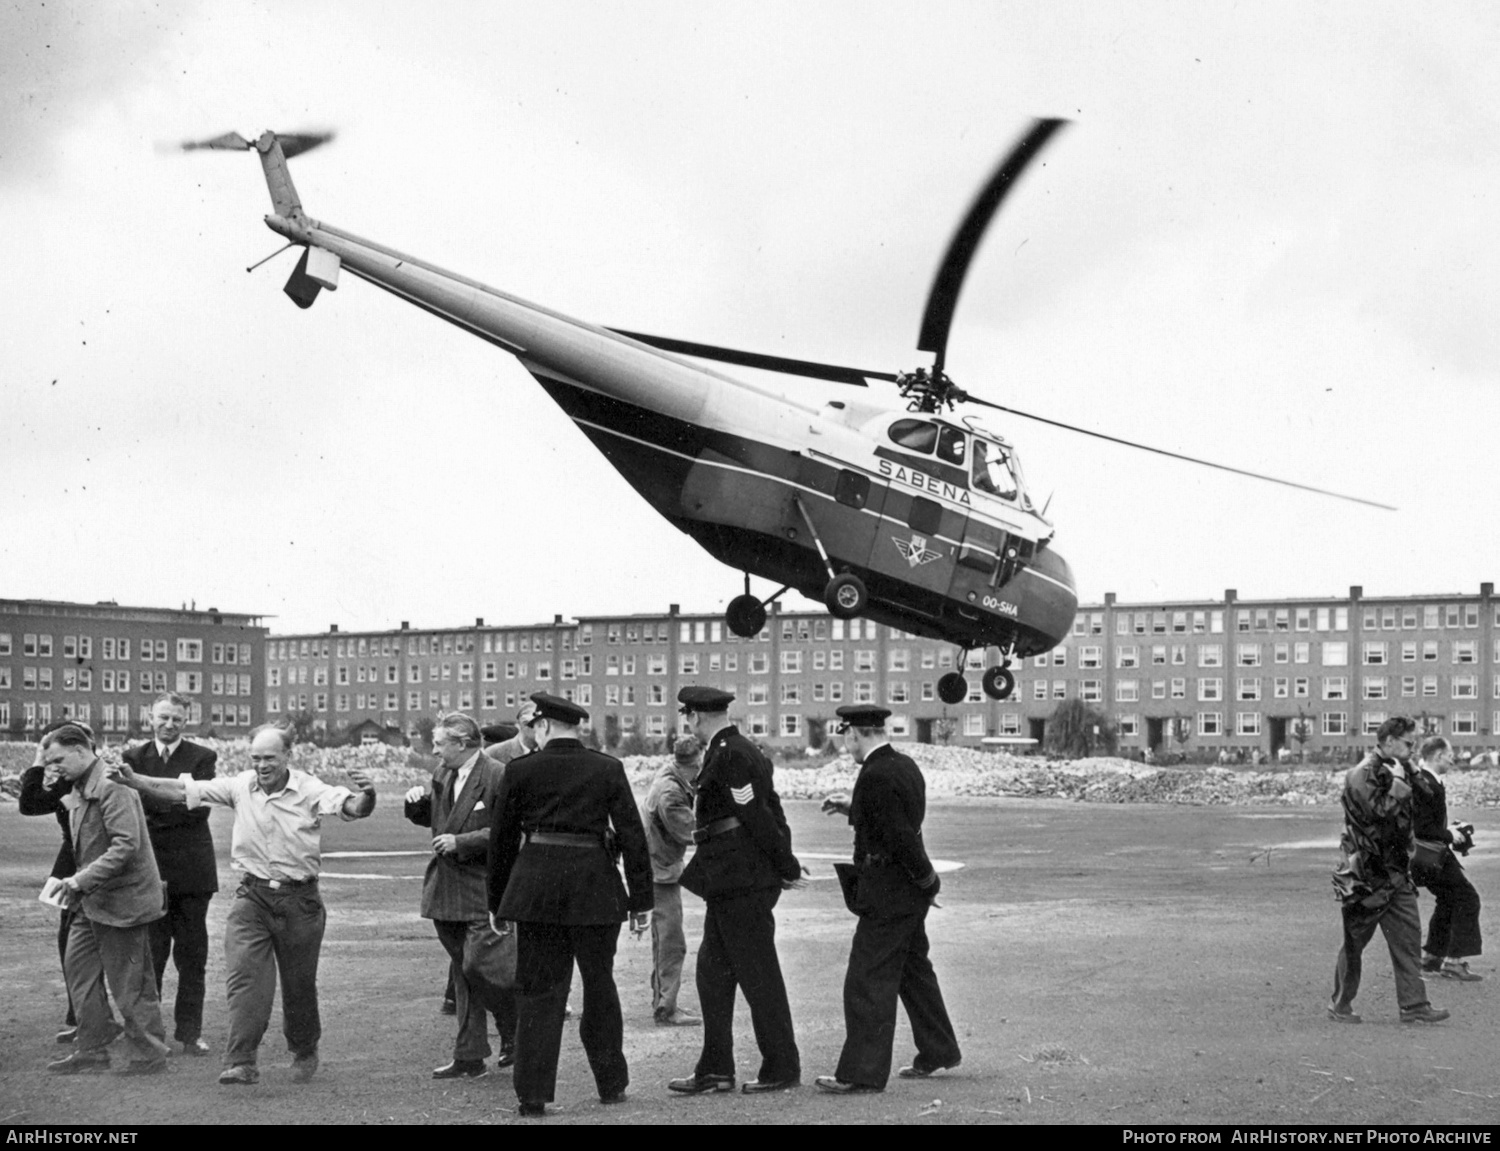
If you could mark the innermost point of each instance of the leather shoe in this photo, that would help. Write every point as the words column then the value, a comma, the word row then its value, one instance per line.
column 197, row 1046
column 1343, row 1014
column 701, row 1084
column 304, row 1067
column 143, row 1067
column 80, row 1061
column 836, row 1086
column 609, row 1100
column 920, row 1071
column 240, row 1075
column 1424, row 1014
column 1458, row 969
column 677, row 1017
column 449, row 1007
column 763, row 1086
column 531, row 1110
column 67, row 1035
column 462, row 1069
column 507, row 1058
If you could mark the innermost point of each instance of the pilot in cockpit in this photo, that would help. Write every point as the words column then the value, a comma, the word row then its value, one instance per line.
column 992, row 472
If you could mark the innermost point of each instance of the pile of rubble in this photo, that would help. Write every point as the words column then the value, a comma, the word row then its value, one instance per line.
column 957, row 771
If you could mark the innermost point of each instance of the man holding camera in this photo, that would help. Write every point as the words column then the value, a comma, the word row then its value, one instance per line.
column 893, row 885
column 1453, row 930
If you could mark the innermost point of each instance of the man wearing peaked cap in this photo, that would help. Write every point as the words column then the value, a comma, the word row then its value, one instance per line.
column 895, row 885
column 744, row 859
column 562, row 891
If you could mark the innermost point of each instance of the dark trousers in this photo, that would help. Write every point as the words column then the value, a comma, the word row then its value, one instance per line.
column 182, row 934
column 470, row 997
column 1453, row 929
column 1402, row 927
column 545, row 953
column 64, row 923
column 888, row 961
column 120, row 956
column 272, row 930
column 739, row 952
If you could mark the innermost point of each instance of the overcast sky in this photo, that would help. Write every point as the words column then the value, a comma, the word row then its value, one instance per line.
column 1269, row 237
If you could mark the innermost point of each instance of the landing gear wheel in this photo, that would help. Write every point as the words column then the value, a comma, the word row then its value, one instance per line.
column 745, row 616
column 953, row 687
column 846, row 596
column 998, row 682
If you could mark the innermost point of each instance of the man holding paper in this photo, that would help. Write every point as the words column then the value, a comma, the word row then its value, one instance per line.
column 116, row 894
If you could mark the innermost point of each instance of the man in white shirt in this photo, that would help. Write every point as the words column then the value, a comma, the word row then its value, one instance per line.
column 277, row 920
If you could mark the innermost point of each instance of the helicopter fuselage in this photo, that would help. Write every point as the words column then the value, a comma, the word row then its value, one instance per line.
column 930, row 513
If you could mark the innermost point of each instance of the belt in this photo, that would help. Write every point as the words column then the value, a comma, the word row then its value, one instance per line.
column 563, row 839
column 870, row 859
column 717, row 827
column 275, row 884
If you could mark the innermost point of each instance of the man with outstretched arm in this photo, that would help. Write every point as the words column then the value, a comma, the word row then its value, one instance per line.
column 1453, row 931
column 276, row 922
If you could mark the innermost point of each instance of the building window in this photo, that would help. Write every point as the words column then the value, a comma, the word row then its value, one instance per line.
column 1247, row 723
column 1466, row 687
column 1375, row 687
column 1465, row 651
column 1210, row 723
column 1335, row 654
column 1248, row 689
column 1465, row 723
column 1091, row 690
column 1210, row 689
column 1127, row 691
column 791, row 662
column 1179, row 689
column 760, row 663
column 1088, row 657
column 1127, row 656
column 1158, row 689
column 791, row 693
column 1375, row 653
column 791, row 725
column 1211, row 655
column 1335, row 687
column 190, row 651
column 1335, row 723
column 1247, row 655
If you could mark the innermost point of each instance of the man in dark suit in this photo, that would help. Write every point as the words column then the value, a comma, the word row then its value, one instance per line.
column 562, row 892
column 458, row 809
column 895, row 884
column 184, row 850
column 743, row 861
column 115, row 893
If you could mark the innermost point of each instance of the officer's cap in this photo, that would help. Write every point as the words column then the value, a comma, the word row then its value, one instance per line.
column 694, row 699
column 562, row 710
column 861, row 715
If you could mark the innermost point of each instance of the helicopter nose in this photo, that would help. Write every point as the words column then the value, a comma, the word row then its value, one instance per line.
column 1056, row 595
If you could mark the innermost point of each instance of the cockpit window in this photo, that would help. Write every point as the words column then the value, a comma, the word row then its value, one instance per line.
column 992, row 471
column 951, row 443
column 914, row 435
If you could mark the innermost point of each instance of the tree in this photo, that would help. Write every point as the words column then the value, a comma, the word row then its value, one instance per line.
column 1301, row 732
column 611, row 731
column 945, row 728
column 1182, row 731
column 302, row 723
column 817, row 731
column 1076, row 730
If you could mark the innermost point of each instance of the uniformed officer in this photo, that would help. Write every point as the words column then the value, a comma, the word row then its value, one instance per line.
column 895, row 884
column 562, row 891
column 743, row 861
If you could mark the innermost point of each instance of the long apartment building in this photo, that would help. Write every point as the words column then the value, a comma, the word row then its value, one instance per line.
column 104, row 664
column 1242, row 675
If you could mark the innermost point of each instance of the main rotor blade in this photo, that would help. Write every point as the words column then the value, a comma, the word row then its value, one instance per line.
column 943, row 298
column 292, row 143
column 811, row 368
column 1179, row 456
column 229, row 142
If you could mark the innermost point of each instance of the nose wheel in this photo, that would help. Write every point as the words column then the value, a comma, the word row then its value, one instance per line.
column 999, row 682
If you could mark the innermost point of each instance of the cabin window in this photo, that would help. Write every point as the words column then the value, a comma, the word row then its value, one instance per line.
column 852, row 489
column 925, row 516
column 951, row 444
column 914, row 435
column 992, row 470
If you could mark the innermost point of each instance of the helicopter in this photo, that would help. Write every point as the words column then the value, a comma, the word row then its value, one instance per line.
column 900, row 511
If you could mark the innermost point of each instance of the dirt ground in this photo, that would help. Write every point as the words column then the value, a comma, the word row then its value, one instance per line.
column 1103, row 964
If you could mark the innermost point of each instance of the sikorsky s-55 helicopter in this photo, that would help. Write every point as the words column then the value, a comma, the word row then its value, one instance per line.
column 898, row 510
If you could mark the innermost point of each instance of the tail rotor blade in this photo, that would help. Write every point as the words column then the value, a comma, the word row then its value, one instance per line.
column 1178, row 455
column 229, row 142
column 943, row 298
